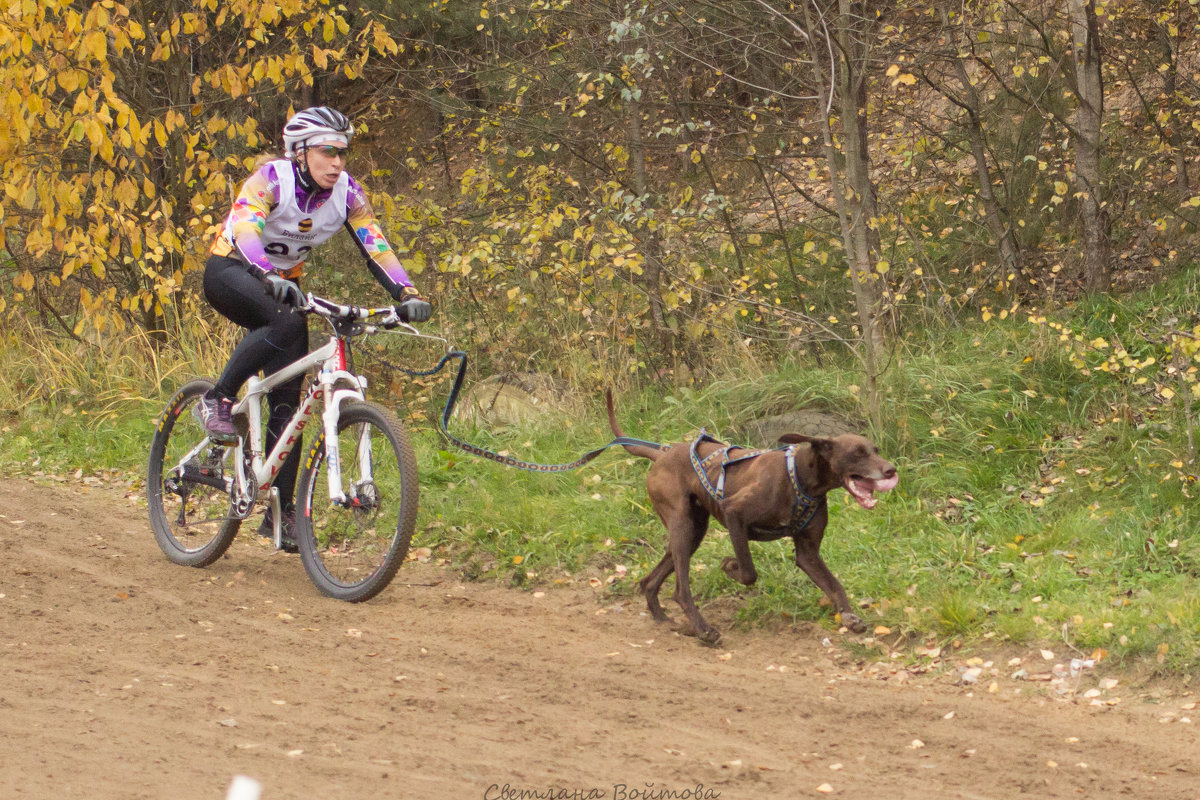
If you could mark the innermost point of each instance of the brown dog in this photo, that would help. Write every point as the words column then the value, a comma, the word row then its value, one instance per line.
column 759, row 495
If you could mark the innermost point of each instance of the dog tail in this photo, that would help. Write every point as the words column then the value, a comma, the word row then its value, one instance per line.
column 635, row 449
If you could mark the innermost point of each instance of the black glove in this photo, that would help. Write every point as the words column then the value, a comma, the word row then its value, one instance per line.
column 414, row 308
column 410, row 305
column 283, row 290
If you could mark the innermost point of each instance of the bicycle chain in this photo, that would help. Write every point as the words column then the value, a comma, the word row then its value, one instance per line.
column 482, row 452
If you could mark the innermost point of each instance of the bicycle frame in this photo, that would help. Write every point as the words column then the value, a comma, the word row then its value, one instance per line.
column 263, row 470
column 253, row 472
column 246, row 488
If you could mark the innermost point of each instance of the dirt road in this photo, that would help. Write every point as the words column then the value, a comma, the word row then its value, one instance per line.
column 128, row 677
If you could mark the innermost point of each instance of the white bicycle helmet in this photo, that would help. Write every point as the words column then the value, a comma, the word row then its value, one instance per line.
column 321, row 123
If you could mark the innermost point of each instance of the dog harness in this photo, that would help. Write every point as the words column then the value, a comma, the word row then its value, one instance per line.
column 804, row 507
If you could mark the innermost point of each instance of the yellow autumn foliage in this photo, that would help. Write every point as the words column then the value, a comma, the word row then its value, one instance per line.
column 124, row 136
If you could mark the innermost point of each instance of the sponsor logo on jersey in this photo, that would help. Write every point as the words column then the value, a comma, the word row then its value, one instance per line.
column 305, row 225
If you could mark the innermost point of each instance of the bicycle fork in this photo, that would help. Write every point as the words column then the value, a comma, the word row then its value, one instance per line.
column 333, row 456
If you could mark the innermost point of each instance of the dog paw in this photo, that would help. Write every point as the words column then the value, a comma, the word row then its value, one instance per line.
column 730, row 566
column 707, row 635
column 852, row 622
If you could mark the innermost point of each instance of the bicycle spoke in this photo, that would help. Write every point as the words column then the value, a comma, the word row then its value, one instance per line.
column 357, row 544
column 187, row 485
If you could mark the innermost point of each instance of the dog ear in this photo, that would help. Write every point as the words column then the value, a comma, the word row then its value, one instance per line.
column 822, row 446
column 792, row 438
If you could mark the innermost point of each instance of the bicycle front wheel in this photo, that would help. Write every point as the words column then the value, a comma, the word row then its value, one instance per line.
column 186, row 484
column 352, row 548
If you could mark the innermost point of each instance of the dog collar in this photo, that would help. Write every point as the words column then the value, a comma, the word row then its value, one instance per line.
column 805, row 507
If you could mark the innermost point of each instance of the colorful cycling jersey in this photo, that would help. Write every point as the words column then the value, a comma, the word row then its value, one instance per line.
column 274, row 224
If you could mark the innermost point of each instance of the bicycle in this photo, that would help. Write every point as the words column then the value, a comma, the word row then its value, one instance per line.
column 199, row 491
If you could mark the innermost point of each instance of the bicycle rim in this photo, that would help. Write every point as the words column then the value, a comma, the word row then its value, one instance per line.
column 185, row 485
column 352, row 550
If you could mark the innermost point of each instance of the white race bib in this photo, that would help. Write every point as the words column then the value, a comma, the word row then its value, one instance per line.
column 290, row 233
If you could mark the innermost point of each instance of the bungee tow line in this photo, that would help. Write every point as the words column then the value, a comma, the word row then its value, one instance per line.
column 804, row 507
column 483, row 452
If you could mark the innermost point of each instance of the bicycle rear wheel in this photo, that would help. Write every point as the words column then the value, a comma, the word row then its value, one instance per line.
column 185, row 484
column 352, row 550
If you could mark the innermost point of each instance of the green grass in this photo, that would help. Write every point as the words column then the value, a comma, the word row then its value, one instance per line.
column 1036, row 504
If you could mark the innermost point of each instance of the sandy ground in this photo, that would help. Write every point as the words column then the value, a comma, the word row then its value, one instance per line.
column 129, row 677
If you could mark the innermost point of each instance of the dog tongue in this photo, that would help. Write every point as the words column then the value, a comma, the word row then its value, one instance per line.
column 862, row 492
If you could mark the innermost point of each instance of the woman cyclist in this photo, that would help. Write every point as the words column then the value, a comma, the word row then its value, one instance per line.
column 287, row 207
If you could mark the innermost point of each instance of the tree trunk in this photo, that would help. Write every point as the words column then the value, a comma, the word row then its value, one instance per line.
column 860, row 200
column 855, row 194
column 998, row 222
column 663, row 343
column 1170, row 54
column 1088, row 145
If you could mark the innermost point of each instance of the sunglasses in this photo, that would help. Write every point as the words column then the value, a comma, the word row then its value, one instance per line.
column 333, row 152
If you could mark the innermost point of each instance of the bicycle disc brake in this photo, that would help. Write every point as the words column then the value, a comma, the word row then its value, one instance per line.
column 366, row 497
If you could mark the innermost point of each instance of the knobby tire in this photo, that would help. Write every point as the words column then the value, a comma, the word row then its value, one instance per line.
column 193, row 525
column 353, row 553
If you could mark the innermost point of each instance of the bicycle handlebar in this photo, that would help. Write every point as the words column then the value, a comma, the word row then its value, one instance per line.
column 390, row 316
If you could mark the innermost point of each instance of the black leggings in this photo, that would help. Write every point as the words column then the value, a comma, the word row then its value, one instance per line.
column 277, row 337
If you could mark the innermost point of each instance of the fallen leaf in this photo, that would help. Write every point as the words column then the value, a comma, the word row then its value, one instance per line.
column 1048, row 655
column 825, row 788
column 420, row 554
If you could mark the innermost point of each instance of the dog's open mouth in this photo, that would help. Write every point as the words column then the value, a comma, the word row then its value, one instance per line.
column 863, row 489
